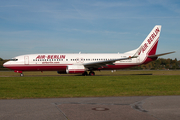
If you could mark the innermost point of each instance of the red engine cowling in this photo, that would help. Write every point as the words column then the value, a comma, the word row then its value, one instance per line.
column 73, row 69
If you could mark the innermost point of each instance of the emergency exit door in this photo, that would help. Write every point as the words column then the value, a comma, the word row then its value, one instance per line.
column 26, row 60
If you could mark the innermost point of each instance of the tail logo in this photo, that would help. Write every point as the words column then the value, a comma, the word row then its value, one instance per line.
column 139, row 52
column 150, row 40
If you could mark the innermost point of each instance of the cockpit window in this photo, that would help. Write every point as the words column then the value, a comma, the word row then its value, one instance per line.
column 13, row 59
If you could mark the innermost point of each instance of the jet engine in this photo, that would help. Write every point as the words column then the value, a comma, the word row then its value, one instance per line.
column 71, row 69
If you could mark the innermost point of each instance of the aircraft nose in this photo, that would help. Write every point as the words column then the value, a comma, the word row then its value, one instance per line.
column 5, row 64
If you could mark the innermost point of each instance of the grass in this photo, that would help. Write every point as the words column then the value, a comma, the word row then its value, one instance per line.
column 101, row 73
column 51, row 86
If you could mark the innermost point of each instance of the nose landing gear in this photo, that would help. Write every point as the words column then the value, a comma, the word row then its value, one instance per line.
column 21, row 74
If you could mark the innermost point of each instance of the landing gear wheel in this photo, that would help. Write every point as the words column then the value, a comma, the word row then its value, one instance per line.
column 91, row 73
column 21, row 74
column 85, row 73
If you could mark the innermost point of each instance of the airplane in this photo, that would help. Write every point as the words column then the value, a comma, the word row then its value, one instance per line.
column 84, row 63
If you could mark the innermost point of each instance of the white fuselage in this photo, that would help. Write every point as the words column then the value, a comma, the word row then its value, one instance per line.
column 59, row 62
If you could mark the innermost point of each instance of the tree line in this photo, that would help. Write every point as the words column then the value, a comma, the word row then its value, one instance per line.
column 1, row 64
column 159, row 64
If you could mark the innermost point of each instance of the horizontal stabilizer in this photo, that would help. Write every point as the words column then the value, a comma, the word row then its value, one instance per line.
column 157, row 55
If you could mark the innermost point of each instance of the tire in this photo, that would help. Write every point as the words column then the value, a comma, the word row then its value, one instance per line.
column 91, row 73
column 85, row 74
column 21, row 74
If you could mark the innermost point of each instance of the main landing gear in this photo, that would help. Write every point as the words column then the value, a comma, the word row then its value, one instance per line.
column 85, row 73
column 91, row 73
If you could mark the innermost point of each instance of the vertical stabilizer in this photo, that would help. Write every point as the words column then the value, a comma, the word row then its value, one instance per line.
column 149, row 46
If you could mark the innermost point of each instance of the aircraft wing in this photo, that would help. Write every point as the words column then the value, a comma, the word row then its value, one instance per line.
column 105, row 63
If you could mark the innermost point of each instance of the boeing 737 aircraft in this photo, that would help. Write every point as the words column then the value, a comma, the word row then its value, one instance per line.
column 84, row 63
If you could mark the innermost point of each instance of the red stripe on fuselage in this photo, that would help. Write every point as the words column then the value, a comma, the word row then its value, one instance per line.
column 61, row 67
column 37, row 67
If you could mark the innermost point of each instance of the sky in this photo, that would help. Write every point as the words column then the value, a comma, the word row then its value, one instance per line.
column 86, row 26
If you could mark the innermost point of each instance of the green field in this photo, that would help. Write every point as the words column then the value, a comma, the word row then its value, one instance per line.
column 120, row 83
column 98, row 73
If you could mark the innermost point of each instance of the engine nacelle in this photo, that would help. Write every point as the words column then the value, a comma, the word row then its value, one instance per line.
column 71, row 69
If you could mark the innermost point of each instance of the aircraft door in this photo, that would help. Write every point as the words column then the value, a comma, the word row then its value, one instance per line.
column 26, row 60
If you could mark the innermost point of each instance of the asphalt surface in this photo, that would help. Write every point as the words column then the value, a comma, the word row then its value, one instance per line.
column 97, row 108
